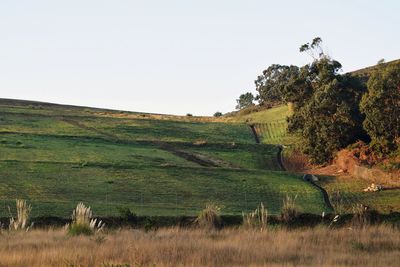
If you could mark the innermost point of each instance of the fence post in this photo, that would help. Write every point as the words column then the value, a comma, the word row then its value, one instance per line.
column 107, row 206
column 176, row 204
column 245, row 200
column 141, row 202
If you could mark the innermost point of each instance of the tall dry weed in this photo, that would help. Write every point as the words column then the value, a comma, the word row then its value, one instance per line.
column 338, row 202
column 289, row 209
column 377, row 245
column 23, row 214
column 363, row 216
column 256, row 219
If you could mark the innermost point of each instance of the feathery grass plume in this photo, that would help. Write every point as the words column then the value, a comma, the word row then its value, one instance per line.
column 209, row 217
column 81, row 214
column 82, row 222
column 23, row 212
column 289, row 209
column 257, row 218
column 334, row 221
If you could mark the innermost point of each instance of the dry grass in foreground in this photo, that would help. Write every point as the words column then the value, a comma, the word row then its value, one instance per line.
column 370, row 246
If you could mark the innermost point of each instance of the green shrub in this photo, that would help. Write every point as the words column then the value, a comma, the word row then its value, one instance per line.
column 127, row 215
column 80, row 229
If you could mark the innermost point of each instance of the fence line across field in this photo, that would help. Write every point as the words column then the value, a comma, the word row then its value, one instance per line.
column 271, row 130
column 145, row 204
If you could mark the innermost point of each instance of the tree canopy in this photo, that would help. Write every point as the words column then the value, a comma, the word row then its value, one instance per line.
column 381, row 106
column 332, row 110
column 326, row 113
column 270, row 85
column 245, row 100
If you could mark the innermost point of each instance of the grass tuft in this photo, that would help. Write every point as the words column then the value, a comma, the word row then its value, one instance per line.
column 209, row 218
column 23, row 214
column 256, row 219
column 83, row 223
column 363, row 216
column 289, row 210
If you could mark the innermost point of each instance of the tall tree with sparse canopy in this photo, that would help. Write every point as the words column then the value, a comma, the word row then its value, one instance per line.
column 381, row 106
column 245, row 100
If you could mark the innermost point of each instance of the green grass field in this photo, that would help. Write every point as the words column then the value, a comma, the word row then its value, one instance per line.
column 270, row 124
column 56, row 156
column 346, row 192
column 278, row 113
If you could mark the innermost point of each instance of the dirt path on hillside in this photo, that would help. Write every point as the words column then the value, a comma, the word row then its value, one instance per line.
column 198, row 159
column 186, row 155
column 92, row 129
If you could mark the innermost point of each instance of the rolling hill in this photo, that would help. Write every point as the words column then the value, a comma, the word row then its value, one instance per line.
column 56, row 156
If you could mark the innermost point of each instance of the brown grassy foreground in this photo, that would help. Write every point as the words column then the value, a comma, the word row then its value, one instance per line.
column 371, row 246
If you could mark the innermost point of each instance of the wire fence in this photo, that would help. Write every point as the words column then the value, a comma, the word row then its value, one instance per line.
column 145, row 203
column 174, row 204
column 272, row 131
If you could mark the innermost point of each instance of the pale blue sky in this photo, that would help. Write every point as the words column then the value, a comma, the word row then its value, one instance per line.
column 176, row 56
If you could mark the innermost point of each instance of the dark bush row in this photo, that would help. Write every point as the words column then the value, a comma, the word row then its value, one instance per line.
column 154, row 222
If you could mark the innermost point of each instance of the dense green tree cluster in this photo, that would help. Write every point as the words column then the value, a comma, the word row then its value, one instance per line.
column 326, row 113
column 381, row 106
column 328, row 119
column 333, row 110
column 218, row 114
column 270, row 85
column 245, row 100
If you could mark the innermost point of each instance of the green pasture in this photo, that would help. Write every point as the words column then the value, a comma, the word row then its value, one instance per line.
column 55, row 188
column 57, row 156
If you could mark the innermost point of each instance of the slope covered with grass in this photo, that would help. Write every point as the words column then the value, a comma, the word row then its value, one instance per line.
column 278, row 113
column 269, row 124
column 56, row 156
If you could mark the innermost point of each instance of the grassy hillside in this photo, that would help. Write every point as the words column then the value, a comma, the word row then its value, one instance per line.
column 278, row 113
column 55, row 156
column 366, row 72
column 345, row 192
column 270, row 124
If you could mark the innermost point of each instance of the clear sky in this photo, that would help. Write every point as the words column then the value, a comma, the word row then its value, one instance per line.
column 177, row 56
